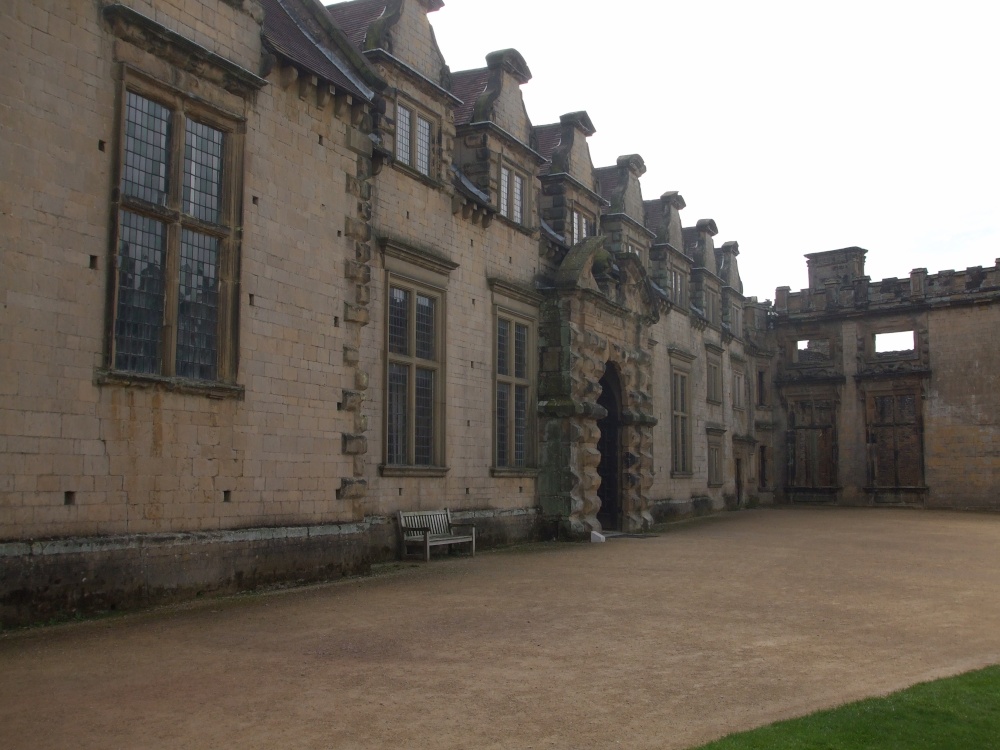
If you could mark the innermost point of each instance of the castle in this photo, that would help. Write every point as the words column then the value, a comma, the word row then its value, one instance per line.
column 273, row 272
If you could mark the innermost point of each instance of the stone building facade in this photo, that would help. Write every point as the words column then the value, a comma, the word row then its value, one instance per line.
column 274, row 272
column 889, row 389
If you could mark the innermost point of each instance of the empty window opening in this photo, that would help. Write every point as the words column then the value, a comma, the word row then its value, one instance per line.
column 897, row 341
column 812, row 350
column 227, row 496
column 69, row 498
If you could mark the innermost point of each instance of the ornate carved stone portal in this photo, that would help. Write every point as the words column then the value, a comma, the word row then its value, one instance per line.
column 597, row 317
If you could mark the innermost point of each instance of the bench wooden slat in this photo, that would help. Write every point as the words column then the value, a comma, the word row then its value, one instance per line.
column 431, row 529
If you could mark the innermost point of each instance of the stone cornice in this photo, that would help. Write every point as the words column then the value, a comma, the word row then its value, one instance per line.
column 472, row 127
column 142, row 31
column 678, row 353
column 380, row 55
column 417, row 256
column 515, row 290
column 623, row 217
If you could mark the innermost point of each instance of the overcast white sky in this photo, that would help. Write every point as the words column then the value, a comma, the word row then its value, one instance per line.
column 798, row 126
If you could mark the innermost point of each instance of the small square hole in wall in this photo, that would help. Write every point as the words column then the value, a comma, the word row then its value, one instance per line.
column 511, row 259
column 472, row 243
column 400, row 491
column 336, row 321
column 251, row 300
column 69, row 497
column 520, row 489
column 466, row 490
column 339, row 233
column 321, row 140
column 227, row 496
column 407, row 214
column 255, row 200
column 101, row 145
column 93, row 263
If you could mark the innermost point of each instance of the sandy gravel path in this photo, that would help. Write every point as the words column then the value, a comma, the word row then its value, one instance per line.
column 713, row 626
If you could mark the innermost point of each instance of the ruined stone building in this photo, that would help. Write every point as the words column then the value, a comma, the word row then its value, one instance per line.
column 272, row 272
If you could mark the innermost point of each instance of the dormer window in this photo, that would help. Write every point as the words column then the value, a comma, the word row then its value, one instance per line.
column 581, row 228
column 511, row 195
column 414, row 134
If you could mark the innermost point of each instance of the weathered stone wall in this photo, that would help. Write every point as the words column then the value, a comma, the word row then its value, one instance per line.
column 87, row 575
column 962, row 427
column 915, row 426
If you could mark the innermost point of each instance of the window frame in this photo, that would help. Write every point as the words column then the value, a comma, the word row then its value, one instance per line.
column 739, row 389
column 680, row 422
column 713, row 379
column 678, row 286
column 579, row 223
column 412, row 142
column 736, row 320
column 413, row 363
column 715, row 460
column 170, row 213
column 514, row 381
column 512, row 195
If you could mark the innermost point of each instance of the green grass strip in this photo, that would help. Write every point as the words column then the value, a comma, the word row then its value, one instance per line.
column 957, row 713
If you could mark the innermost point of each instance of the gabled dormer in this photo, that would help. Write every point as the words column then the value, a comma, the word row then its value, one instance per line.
column 493, row 134
column 570, row 204
column 728, row 267
column 732, row 288
column 669, row 266
column 700, row 245
column 706, row 286
column 398, row 29
column 622, row 218
column 414, row 128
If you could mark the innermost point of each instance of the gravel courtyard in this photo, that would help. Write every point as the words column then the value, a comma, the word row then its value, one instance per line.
column 712, row 626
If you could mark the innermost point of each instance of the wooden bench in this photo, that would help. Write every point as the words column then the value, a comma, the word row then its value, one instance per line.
column 431, row 528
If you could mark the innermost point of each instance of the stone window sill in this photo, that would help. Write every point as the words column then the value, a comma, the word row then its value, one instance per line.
column 506, row 471
column 207, row 388
column 387, row 470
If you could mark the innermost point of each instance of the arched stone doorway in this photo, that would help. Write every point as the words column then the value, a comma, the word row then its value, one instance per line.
column 610, row 447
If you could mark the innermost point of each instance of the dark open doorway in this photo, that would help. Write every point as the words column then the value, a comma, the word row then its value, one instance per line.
column 610, row 447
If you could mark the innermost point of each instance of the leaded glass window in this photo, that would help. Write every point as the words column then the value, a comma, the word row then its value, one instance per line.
column 423, row 164
column 513, row 389
column 403, row 134
column 413, row 401
column 175, row 239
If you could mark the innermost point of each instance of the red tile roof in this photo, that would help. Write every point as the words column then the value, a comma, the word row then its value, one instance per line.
column 467, row 85
column 355, row 17
column 285, row 32
column 547, row 138
column 653, row 214
column 607, row 181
